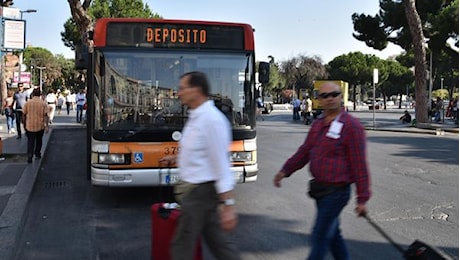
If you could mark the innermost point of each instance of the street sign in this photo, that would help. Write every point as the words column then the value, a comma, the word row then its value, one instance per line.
column 10, row 13
column 376, row 76
column 25, row 77
column 14, row 34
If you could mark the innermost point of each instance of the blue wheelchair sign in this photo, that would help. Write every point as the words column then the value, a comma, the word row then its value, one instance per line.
column 138, row 157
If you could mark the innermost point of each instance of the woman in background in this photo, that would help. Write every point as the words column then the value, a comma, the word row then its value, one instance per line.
column 9, row 112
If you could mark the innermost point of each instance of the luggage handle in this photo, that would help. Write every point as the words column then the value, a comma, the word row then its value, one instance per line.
column 168, row 184
column 384, row 234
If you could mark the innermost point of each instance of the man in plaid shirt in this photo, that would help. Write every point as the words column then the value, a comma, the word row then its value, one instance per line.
column 336, row 150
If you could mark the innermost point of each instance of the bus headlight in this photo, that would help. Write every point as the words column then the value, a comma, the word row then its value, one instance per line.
column 241, row 156
column 112, row 158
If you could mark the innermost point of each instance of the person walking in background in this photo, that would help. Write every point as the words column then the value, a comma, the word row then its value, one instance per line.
column 296, row 109
column 9, row 111
column 20, row 97
column 60, row 102
column 68, row 102
column 81, row 100
column 36, row 124
column 335, row 147
column 439, row 106
column 207, row 208
column 259, row 108
column 308, row 110
column 51, row 100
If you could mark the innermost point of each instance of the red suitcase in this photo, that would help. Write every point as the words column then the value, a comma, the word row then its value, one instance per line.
column 164, row 222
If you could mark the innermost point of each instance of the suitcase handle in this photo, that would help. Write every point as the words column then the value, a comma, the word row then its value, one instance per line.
column 384, row 234
column 163, row 212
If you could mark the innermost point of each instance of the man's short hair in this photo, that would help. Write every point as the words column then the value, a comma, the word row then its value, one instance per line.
column 20, row 84
column 198, row 79
column 36, row 92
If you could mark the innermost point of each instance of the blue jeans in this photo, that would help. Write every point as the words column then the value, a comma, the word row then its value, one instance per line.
column 10, row 122
column 326, row 233
column 79, row 113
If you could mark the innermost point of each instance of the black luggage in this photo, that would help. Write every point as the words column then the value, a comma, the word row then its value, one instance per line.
column 418, row 250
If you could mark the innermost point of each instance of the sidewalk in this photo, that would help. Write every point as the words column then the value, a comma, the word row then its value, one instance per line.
column 17, row 178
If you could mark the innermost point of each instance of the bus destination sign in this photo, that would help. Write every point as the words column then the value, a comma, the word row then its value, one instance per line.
column 162, row 35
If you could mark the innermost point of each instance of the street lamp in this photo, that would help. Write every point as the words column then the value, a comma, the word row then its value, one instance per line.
column 41, row 76
column 21, row 53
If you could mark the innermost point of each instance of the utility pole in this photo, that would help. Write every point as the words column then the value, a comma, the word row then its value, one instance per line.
column 21, row 54
column 41, row 77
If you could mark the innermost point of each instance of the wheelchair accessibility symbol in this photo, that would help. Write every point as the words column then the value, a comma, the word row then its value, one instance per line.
column 138, row 157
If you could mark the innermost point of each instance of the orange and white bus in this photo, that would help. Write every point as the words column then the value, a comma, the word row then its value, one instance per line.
column 134, row 114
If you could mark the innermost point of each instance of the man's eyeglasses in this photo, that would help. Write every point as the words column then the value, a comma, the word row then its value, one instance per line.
column 330, row 94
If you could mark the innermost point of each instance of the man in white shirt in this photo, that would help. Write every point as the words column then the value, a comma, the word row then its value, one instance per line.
column 203, row 160
column 51, row 99
column 81, row 100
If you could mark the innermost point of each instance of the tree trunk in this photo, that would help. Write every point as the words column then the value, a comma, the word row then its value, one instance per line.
column 82, row 19
column 418, row 40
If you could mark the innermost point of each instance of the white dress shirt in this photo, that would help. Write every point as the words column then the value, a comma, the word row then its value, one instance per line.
column 204, row 148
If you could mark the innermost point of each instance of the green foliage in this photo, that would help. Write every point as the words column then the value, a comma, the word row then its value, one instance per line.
column 439, row 22
column 59, row 70
column 106, row 8
column 399, row 78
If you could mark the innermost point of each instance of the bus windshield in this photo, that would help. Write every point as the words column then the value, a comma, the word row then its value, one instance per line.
column 138, row 89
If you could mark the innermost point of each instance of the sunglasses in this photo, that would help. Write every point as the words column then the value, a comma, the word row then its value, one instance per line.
column 330, row 94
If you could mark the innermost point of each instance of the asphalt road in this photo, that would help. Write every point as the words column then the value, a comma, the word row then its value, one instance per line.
column 415, row 196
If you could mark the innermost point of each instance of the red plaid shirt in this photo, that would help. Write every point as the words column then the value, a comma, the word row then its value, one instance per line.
column 341, row 160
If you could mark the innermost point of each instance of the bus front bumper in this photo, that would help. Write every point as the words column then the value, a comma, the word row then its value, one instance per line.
column 157, row 176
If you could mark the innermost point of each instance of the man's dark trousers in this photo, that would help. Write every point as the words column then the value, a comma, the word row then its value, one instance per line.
column 18, row 121
column 199, row 216
column 34, row 143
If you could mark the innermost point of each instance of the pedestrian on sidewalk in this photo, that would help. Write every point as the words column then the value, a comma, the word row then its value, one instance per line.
column 60, row 102
column 207, row 207
column 20, row 98
column 68, row 102
column 52, row 100
column 260, row 107
column 36, row 121
column 296, row 109
column 9, row 111
column 81, row 100
column 335, row 147
column 439, row 107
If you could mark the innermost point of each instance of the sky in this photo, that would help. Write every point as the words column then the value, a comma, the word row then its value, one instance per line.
column 283, row 29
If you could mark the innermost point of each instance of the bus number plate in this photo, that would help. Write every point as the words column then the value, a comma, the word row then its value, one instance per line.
column 169, row 179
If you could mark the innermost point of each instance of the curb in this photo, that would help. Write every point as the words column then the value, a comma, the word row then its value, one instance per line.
column 13, row 216
column 429, row 131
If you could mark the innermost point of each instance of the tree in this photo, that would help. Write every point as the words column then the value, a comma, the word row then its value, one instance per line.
column 6, row 3
column 84, row 14
column 300, row 72
column 398, row 81
column 40, row 57
column 356, row 68
column 407, row 24
column 273, row 87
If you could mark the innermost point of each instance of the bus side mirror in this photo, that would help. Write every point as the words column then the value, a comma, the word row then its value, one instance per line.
column 264, row 72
